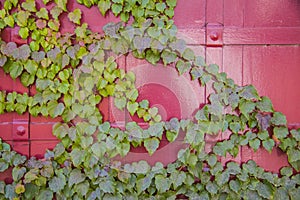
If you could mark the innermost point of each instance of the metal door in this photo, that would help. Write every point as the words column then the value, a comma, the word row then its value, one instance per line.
column 254, row 42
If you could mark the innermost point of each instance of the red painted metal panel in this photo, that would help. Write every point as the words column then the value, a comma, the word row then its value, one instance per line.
column 274, row 70
column 224, row 31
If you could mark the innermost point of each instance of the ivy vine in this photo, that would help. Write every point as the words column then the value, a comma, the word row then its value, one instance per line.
column 74, row 72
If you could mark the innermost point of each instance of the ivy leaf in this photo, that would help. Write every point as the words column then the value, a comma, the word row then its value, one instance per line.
column 29, row 5
column 194, row 137
column 18, row 173
column 188, row 54
column 177, row 178
column 104, row 6
column 75, row 16
column 9, row 20
column 132, row 107
column 141, row 43
column 212, row 69
column 45, row 194
column 99, row 149
column 156, row 129
column 171, row 3
column 278, row 119
column 264, row 190
column 116, row 9
column 254, row 144
column 55, row 12
column 151, row 145
column 212, row 188
column 235, row 186
column 249, row 93
column 212, row 160
column 152, row 57
column 222, row 178
column 142, row 167
column 182, row 66
column 107, row 186
column 143, row 183
column 76, row 177
column 16, row 69
column 31, row 66
column 286, row 171
column 246, row 107
column 162, row 183
column 57, row 183
column 43, row 14
column 265, row 105
column 77, row 156
column 55, row 109
column 168, row 57
column 281, row 132
column 196, row 73
column 179, row 45
column 62, row 4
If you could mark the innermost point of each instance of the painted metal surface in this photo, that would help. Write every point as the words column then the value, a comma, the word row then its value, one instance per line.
column 254, row 42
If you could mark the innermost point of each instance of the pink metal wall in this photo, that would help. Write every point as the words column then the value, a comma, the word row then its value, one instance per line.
column 255, row 42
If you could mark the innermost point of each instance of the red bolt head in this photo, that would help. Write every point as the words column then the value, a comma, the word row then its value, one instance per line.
column 21, row 130
column 214, row 35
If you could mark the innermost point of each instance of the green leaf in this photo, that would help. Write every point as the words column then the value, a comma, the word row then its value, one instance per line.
column 55, row 109
column 152, row 57
column 162, row 183
column 246, row 107
column 177, row 178
column 31, row 66
column 9, row 20
column 3, row 165
column 171, row 3
column 222, row 178
column 168, row 57
column 18, row 173
column 75, row 16
column 16, row 70
column 265, row 105
column 57, row 183
column 99, row 149
column 45, row 194
column 264, row 190
column 77, row 156
column 143, row 183
column 62, row 4
column 196, row 73
column 212, row 160
column 132, row 107
column 188, row 54
column 254, row 144
column 76, row 177
column 182, row 66
column 281, row 193
column 286, row 171
column 278, row 119
column 55, row 12
column 161, row 7
column 104, row 6
column 29, row 5
column 43, row 14
column 212, row 188
column 151, row 145
column 281, row 132
column 249, row 93
column 235, row 186
column 212, row 69
column 116, row 9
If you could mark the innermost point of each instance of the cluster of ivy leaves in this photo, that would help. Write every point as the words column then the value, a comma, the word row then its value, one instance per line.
column 74, row 72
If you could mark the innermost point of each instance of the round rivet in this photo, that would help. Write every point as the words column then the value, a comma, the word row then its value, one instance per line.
column 21, row 130
column 214, row 35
